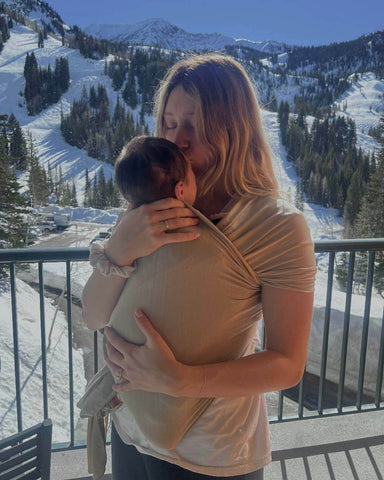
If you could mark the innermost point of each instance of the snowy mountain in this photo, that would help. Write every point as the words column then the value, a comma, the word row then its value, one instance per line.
column 158, row 32
column 40, row 12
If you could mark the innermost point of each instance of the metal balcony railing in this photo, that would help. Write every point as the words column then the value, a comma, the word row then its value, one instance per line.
column 373, row 251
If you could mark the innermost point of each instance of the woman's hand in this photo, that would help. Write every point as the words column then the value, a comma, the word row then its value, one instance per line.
column 145, row 229
column 151, row 367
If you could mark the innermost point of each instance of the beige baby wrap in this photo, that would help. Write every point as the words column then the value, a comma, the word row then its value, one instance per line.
column 200, row 296
column 204, row 298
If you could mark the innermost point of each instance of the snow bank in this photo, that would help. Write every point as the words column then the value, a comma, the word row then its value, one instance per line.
column 28, row 313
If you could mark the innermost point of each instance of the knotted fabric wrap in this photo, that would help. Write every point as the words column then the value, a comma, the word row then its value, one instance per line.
column 96, row 445
column 204, row 298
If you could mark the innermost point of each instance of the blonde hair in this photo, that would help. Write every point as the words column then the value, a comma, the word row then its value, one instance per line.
column 229, row 123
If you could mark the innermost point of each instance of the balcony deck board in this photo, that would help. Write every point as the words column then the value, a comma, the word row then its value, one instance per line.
column 349, row 447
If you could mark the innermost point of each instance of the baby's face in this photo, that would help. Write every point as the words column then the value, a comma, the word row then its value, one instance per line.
column 190, row 188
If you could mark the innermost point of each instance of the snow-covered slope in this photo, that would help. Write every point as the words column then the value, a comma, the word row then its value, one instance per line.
column 45, row 127
column 364, row 103
column 159, row 32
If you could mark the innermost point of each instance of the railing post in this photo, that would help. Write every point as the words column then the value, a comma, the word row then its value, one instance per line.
column 43, row 341
column 327, row 316
column 70, row 356
column 300, row 408
column 364, row 336
column 347, row 316
column 16, row 348
column 380, row 367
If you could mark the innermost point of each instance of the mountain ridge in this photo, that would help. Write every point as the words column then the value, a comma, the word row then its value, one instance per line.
column 160, row 32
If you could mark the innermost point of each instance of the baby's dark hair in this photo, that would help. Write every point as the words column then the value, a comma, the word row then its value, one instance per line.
column 148, row 168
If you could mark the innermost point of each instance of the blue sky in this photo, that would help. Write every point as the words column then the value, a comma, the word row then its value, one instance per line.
column 300, row 22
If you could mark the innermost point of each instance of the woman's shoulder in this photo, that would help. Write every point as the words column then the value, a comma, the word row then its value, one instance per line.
column 257, row 210
column 275, row 239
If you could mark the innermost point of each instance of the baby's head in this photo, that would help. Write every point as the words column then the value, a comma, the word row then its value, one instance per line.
column 152, row 168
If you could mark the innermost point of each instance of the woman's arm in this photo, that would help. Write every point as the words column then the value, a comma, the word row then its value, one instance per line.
column 140, row 232
column 153, row 367
column 287, row 319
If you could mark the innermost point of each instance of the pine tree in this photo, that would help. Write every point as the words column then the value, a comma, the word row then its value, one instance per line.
column 66, row 196
column 50, row 181
column 4, row 29
column 129, row 93
column 283, row 115
column 40, row 42
column 74, row 195
column 13, row 205
column 95, row 201
column 87, row 189
column 37, row 181
column 102, row 188
column 17, row 146
column 353, row 201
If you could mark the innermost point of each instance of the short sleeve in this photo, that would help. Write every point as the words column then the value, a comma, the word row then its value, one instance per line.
column 280, row 249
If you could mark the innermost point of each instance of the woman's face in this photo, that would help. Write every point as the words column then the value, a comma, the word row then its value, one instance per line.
column 180, row 127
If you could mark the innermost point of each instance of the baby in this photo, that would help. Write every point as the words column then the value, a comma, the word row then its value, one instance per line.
column 152, row 168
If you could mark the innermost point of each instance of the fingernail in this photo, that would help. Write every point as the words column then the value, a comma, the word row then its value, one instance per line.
column 139, row 314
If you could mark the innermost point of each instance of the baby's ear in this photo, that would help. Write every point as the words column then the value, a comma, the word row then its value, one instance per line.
column 179, row 190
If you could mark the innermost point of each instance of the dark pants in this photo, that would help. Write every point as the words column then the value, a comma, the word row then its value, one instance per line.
column 129, row 464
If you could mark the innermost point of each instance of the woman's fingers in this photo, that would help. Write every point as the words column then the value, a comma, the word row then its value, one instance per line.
column 123, row 384
column 119, row 345
column 145, row 229
column 151, row 367
column 114, row 354
column 180, row 237
column 180, row 222
column 166, row 203
column 151, row 335
column 177, row 212
column 115, row 369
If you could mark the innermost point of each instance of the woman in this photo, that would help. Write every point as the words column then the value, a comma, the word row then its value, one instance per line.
column 207, row 106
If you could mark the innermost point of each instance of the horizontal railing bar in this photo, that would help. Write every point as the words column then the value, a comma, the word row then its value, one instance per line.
column 349, row 245
column 329, row 413
column 8, row 255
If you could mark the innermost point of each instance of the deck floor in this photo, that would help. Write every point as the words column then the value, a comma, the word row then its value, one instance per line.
column 348, row 447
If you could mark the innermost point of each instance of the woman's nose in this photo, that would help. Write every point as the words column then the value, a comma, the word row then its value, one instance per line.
column 181, row 139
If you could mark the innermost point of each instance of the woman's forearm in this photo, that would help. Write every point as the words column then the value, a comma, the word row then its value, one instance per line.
column 100, row 296
column 287, row 319
column 252, row 375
